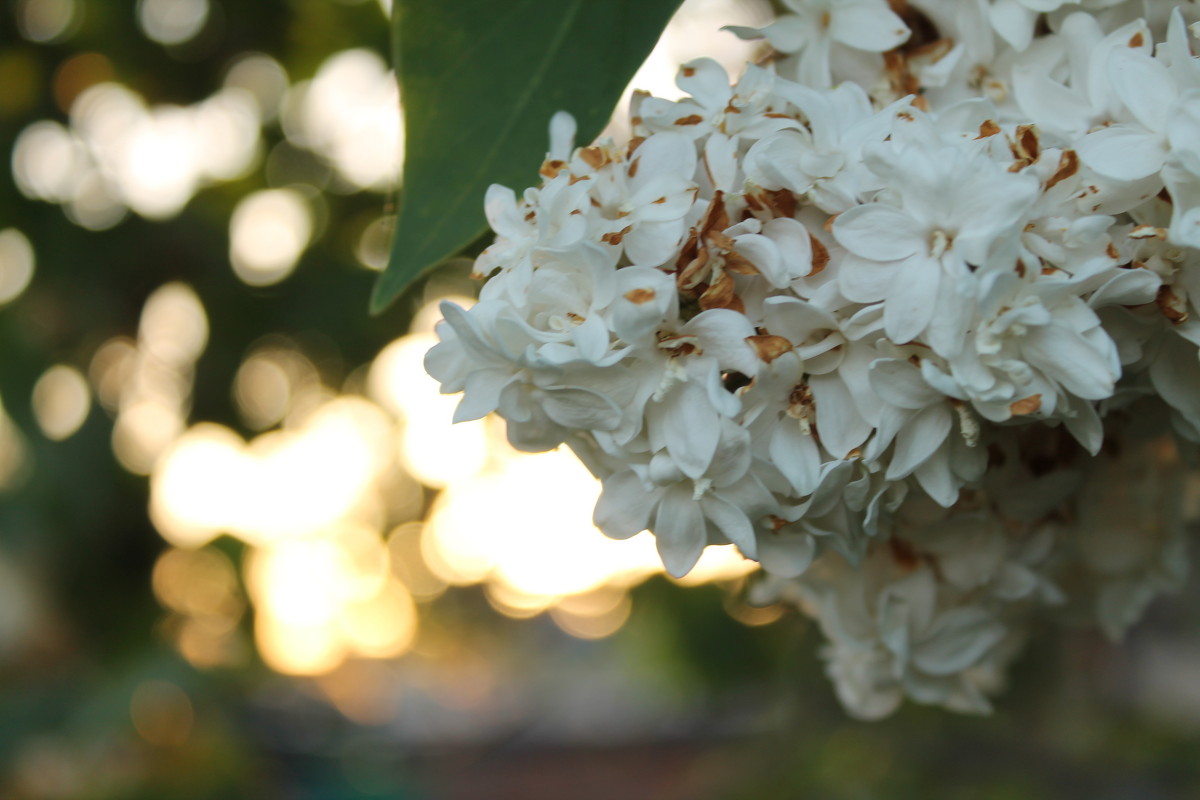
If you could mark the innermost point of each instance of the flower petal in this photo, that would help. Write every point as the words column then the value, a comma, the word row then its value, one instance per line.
column 679, row 531
column 481, row 395
column 1144, row 86
column 877, row 232
column 1067, row 357
column 1013, row 21
column 722, row 334
column 687, row 425
column 839, row 422
column 919, row 439
column 787, row 555
column 1123, row 152
column 910, row 302
column 797, row 457
column 624, row 507
column 867, row 26
column 900, row 383
column 732, row 522
column 581, row 409
column 961, row 637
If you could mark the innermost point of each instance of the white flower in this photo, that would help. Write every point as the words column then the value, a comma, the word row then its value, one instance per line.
column 541, row 401
column 550, row 217
column 1086, row 98
column 894, row 633
column 916, row 342
column 945, row 214
column 1033, row 345
column 638, row 204
column 1152, row 91
column 687, row 513
column 689, row 398
column 824, row 158
column 815, row 26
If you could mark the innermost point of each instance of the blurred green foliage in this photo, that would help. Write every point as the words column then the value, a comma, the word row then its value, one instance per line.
column 480, row 83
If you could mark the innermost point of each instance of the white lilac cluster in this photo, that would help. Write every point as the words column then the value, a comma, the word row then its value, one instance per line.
column 907, row 314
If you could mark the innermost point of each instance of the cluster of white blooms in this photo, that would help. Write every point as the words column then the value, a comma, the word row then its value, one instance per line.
column 908, row 315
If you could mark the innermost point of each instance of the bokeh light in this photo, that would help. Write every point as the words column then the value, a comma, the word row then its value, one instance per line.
column 61, row 400
column 262, row 390
column 330, row 491
column 174, row 327
column 263, row 78
column 331, row 507
column 149, row 383
column 156, row 162
column 350, row 114
column 47, row 161
column 172, row 21
column 374, row 243
column 267, row 233
column 120, row 152
column 44, row 21
column 13, row 453
column 547, row 551
column 433, row 448
column 16, row 264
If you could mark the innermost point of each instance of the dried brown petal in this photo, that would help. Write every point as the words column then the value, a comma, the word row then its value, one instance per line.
column 715, row 216
column 1171, row 306
column 594, row 156
column 1027, row 145
column 694, row 273
column 781, row 202
column 720, row 294
column 1148, row 232
column 680, row 345
column 551, row 168
column 615, row 237
column 769, row 347
column 738, row 264
column 1027, row 405
column 820, row 255
column 720, row 240
column 1068, row 165
column 988, row 128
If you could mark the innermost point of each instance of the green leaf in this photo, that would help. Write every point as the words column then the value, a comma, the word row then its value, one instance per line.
column 479, row 81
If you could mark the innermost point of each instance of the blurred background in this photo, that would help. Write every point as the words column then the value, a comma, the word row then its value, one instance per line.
column 244, row 554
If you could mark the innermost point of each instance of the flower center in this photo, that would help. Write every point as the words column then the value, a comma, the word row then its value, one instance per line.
column 939, row 241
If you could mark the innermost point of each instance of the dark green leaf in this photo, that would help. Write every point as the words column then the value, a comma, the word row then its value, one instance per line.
column 479, row 81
